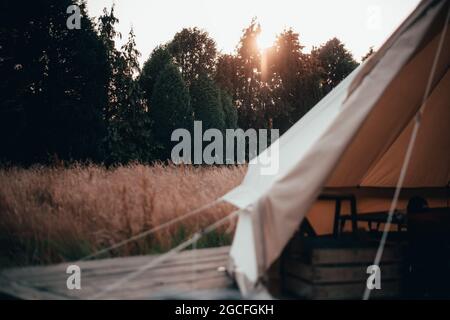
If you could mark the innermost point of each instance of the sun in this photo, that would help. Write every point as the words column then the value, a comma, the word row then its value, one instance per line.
column 264, row 41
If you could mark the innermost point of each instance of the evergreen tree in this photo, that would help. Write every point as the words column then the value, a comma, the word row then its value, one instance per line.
column 54, row 86
column 229, row 110
column 157, row 61
column 251, row 102
column 335, row 63
column 129, row 126
column 108, row 34
column 368, row 54
column 194, row 52
column 73, row 94
column 171, row 108
column 206, row 103
column 226, row 74
column 129, row 134
column 295, row 82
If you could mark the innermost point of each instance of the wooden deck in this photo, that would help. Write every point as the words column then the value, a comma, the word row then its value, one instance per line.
column 190, row 274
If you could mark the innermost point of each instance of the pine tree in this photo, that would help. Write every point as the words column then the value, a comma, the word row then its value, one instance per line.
column 368, row 54
column 206, row 103
column 229, row 110
column 108, row 34
column 226, row 75
column 295, row 82
column 194, row 52
column 252, row 92
column 335, row 63
column 129, row 126
column 55, row 83
column 171, row 108
column 157, row 61
column 130, row 136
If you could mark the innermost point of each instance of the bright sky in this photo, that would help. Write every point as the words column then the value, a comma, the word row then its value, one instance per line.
column 358, row 23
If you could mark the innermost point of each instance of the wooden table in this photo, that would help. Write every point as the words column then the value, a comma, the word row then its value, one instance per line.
column 339, row 198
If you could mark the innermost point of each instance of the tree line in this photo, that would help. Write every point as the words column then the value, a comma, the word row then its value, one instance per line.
column 73, row 95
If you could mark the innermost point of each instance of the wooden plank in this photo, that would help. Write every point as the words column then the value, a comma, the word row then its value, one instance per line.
column 189, row 270
column 191, row 282
column 176, row 292
column 112, row 263
column 152, row 277
column 151, row 286
column 55, row 274
column 133, row 290
column 337, row 273
column 155, row 276
column 159, row 276
column 352, row 255
column 17, row 290
column 301, row 288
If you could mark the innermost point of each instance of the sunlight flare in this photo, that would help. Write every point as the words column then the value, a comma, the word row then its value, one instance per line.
column 264, row 41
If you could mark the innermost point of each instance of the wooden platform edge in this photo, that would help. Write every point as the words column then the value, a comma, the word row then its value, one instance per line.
column 25, row 282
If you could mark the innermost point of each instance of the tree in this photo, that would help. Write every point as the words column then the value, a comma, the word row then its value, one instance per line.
column 229, row 110
column 108, row 35
column 206, row 103
column 226, row 73
column 368, row 54
column 251, row 105
column 171, row 108
column 52, row 102
column 293, row 76
column 195, row 52
column 335, row 61
column 157, row 61
column 129, row 131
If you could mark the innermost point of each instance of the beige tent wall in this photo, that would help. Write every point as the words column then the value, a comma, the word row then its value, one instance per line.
column 391, row 115
column 429, row 165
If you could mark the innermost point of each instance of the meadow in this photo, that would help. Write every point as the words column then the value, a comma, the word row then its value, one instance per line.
column 63, row 213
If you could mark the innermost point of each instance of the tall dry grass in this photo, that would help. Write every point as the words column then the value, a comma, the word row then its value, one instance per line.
column 50, row 215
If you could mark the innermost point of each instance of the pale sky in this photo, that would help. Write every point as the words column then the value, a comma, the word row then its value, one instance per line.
column 358, row 23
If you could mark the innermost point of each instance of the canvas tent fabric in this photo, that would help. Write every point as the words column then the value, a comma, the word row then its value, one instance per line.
column 353, row 140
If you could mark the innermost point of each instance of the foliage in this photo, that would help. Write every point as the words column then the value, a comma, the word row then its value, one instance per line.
column 226, row 73
column 129, row 135
column 54, row 84
column 157, row 61
column 368, row 54
column 229, row 111
column 205, row 99
column 195, row 52
column 171, row 107
column 294, row 76
column 335, row 62
column 73, row 95
column 249, row 83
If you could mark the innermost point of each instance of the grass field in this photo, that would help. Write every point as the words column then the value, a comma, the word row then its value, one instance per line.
column 54, row 214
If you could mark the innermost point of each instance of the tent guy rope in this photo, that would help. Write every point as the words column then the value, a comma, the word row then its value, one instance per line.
column 152, row 230
column 165, row 256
